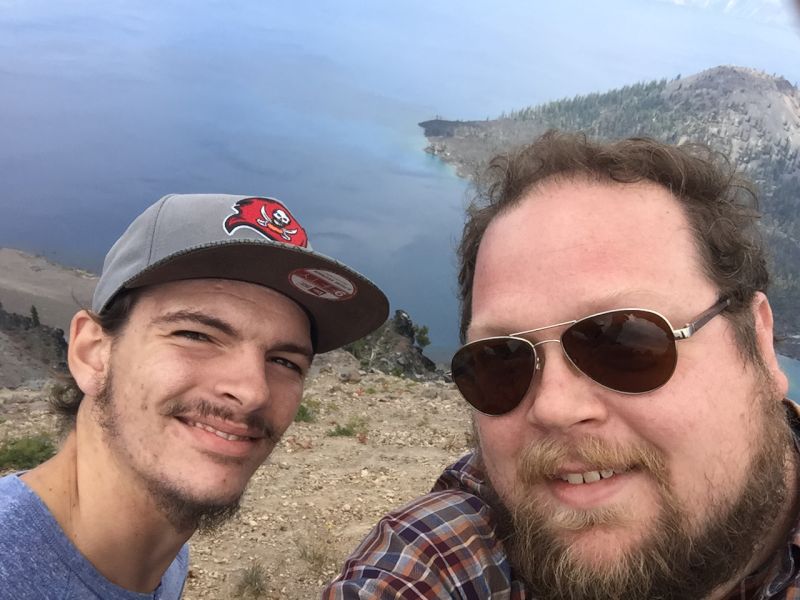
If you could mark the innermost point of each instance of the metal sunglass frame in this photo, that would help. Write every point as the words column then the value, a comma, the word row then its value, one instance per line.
column 682, row 333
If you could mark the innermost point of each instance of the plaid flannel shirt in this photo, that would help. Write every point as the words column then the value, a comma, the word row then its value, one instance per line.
column 443, row 546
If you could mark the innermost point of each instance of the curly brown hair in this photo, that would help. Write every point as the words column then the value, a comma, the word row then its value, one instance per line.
column 65, row 396
column 721, row 206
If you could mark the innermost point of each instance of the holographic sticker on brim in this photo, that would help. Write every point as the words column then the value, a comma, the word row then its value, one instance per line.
column 323, row 284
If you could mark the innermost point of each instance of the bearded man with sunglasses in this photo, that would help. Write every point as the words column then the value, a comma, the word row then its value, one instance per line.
column 632, row 434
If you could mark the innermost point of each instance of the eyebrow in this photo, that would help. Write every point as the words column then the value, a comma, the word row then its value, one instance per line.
column 296, row 349
column 226, row 328
column 197, row 317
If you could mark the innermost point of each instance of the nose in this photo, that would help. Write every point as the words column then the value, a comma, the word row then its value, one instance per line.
column 562, row 398
column 242, row 378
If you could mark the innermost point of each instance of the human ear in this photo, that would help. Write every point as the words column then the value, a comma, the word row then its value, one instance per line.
column 88, row 353
column 762, row 315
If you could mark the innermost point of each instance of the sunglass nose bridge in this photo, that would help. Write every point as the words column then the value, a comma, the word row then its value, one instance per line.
column 529, row 331
column 540, row 342
column 539, row 359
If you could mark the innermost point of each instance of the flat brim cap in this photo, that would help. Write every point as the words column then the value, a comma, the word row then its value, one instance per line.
column 245, row 238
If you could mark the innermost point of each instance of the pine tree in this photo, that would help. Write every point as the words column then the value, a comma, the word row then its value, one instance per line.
column 34, row 316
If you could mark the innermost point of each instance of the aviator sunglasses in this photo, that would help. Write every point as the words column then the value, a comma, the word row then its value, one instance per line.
column 628, row 350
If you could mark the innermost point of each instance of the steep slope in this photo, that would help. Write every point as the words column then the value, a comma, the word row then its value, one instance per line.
column 56, row 291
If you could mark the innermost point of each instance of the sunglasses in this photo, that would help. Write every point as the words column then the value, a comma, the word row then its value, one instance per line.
column 628, row 350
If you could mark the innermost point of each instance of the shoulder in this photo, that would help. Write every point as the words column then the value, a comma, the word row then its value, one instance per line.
column 30, row 566
column 440, row 545
column 37, row 561
column 453, row 512
column 11, row 490
column 438, row 519
column 175, row 577
column 20, row 510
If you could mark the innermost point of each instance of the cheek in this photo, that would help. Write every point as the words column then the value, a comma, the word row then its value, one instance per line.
column 706, row 450
column 716, row 458
column 501, row 441
column 146, row 384
column 286, row 401
column 169, row 370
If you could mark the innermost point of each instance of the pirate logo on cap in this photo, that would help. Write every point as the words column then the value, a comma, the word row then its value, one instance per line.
column 269, row 218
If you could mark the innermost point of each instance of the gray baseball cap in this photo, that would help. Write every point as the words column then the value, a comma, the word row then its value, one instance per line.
column 247, row 238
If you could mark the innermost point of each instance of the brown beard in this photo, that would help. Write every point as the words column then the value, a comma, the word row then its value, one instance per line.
column 184, row 512
column 675, row 561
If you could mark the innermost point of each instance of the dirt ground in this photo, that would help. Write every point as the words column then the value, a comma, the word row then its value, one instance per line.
column 317, row 496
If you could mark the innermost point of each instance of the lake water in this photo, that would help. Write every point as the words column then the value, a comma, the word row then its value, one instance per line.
column 792, row 370
column 106, row 106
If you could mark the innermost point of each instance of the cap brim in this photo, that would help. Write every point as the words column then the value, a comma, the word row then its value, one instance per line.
column 336, row 321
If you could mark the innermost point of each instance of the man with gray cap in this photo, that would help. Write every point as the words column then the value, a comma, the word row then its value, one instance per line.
column 188, row 369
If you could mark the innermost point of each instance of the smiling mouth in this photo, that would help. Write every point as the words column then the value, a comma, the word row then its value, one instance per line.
column 588, row 476
column 222, row 434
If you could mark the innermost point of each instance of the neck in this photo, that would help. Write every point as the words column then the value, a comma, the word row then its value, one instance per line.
column 112, row 521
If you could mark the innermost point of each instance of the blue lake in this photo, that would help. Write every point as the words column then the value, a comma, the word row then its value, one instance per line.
column 105, row 107
column 792, row 370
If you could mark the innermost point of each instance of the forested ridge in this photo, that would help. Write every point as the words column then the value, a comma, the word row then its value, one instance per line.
column 750, row 116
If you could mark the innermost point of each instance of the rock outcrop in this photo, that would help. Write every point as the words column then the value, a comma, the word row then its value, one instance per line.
column 394, row 349
column 30, row 352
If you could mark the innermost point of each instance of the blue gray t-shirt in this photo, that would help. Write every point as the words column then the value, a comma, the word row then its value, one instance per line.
column 38, row 562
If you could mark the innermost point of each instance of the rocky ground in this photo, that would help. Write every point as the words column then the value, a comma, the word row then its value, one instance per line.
column 318, row 494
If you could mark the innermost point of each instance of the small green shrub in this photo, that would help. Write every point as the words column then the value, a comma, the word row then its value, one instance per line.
column 421, row 334
column 316, row 554
column 26, row 452
column 252, row 582
column 305, row 414
column 353, row 427
column 358, row 348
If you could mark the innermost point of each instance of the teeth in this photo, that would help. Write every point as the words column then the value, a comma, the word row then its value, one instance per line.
column 587, row 477
column 591, row 476
column 225, row 436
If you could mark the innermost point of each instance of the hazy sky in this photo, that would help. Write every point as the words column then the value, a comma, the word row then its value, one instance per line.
column 105, row 105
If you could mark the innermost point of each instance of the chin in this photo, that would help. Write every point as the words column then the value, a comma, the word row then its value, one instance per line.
column 209, row 483
column 602, row 546
column 216, row 490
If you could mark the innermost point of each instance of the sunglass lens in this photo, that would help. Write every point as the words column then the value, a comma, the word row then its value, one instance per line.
column 494, row 374
column 630, row 351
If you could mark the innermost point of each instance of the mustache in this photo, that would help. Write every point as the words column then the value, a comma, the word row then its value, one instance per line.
column 543, row 459
column 204, row 408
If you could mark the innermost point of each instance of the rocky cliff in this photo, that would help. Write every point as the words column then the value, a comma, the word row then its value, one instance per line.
column 30, row 352
column 394, row 349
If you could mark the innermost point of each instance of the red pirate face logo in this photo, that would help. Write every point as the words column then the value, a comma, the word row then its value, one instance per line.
column 268, row 217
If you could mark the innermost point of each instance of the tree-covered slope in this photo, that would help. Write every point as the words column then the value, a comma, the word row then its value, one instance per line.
column 750, row 116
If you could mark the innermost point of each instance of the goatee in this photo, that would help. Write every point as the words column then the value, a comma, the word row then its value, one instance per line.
column 184, row 511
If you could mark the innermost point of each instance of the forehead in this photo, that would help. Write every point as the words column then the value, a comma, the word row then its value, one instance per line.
column 572, row 244
column 252, row 304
